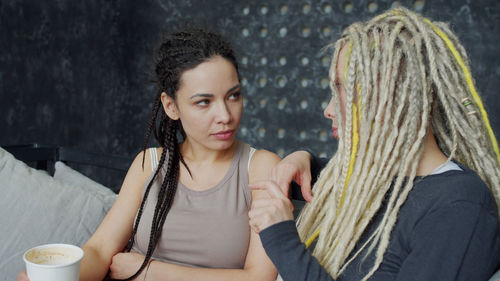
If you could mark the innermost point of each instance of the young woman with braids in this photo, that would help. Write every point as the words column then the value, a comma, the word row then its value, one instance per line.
column 184, row 216
column 412, row 192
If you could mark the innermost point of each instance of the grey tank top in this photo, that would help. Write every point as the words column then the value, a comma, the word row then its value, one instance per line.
column 203, row 228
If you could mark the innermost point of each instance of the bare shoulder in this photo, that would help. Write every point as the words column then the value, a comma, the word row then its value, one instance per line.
column 114, row 231
column 261, row 164
column 141, row 168
column 159, row 150
column 141, row 163
column 263, row 156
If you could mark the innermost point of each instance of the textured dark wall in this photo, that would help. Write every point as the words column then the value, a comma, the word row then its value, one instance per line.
column 75, row 73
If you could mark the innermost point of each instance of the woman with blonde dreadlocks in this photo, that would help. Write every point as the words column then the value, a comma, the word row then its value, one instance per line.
column 413, row 190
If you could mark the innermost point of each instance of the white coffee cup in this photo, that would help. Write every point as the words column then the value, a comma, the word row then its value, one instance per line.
column 53, row 262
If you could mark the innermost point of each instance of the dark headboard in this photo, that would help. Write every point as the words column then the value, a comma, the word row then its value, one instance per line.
column 43, row 157
column 40, row 156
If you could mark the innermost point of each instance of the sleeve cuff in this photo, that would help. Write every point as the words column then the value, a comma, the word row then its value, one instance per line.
column 277, row 232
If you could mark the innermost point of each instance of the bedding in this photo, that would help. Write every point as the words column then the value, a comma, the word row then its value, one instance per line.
column 36, row 208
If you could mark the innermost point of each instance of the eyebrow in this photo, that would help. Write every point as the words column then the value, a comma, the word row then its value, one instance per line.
column 206, row 95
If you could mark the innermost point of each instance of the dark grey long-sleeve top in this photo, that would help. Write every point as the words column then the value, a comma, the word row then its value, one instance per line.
column 448, row 229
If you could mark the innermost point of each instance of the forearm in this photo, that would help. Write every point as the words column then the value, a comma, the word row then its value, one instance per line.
column 171, row 272
column 290, row 256
column 93, row 266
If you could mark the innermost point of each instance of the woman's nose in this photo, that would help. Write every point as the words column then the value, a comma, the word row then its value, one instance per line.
column 224, row 115
column 329, row 111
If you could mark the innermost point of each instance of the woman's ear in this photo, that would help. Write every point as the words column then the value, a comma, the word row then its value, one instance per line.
column 169, row 106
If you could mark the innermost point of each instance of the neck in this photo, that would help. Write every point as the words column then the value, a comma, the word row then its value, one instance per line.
column 194, row 152
column 431, row 157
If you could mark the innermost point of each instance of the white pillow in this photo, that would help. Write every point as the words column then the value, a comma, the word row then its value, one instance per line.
column 66, row 174
column 38, row 209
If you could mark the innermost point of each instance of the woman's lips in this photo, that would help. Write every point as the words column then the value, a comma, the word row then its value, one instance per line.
column 224, row 135
column 335, row 133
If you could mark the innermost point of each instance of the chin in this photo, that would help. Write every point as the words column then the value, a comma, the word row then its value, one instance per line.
column 226, row 144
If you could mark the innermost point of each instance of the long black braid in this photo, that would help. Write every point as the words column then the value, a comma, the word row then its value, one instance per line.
column 178, row 52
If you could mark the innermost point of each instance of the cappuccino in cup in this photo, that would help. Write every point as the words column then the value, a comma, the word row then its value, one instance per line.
column 53, row 262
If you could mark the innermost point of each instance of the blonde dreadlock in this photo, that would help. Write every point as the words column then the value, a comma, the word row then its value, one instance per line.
column 404, row 75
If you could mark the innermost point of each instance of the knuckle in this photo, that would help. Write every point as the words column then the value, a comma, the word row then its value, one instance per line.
column 251, row 214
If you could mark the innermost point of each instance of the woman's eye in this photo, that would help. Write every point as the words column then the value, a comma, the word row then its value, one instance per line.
column 202, row 102
column 339, row 86
column 235, row 96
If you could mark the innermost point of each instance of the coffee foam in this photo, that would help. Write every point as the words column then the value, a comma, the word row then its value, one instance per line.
column 52, row 256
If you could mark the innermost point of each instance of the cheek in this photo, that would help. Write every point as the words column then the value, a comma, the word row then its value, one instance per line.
column 193, row 123
column 342, row 99
column 238, row 111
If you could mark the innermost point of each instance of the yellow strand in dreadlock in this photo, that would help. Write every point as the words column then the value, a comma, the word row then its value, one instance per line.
column 470, row 84
column 355, row 140
column 312, row 238
column 355, row 137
